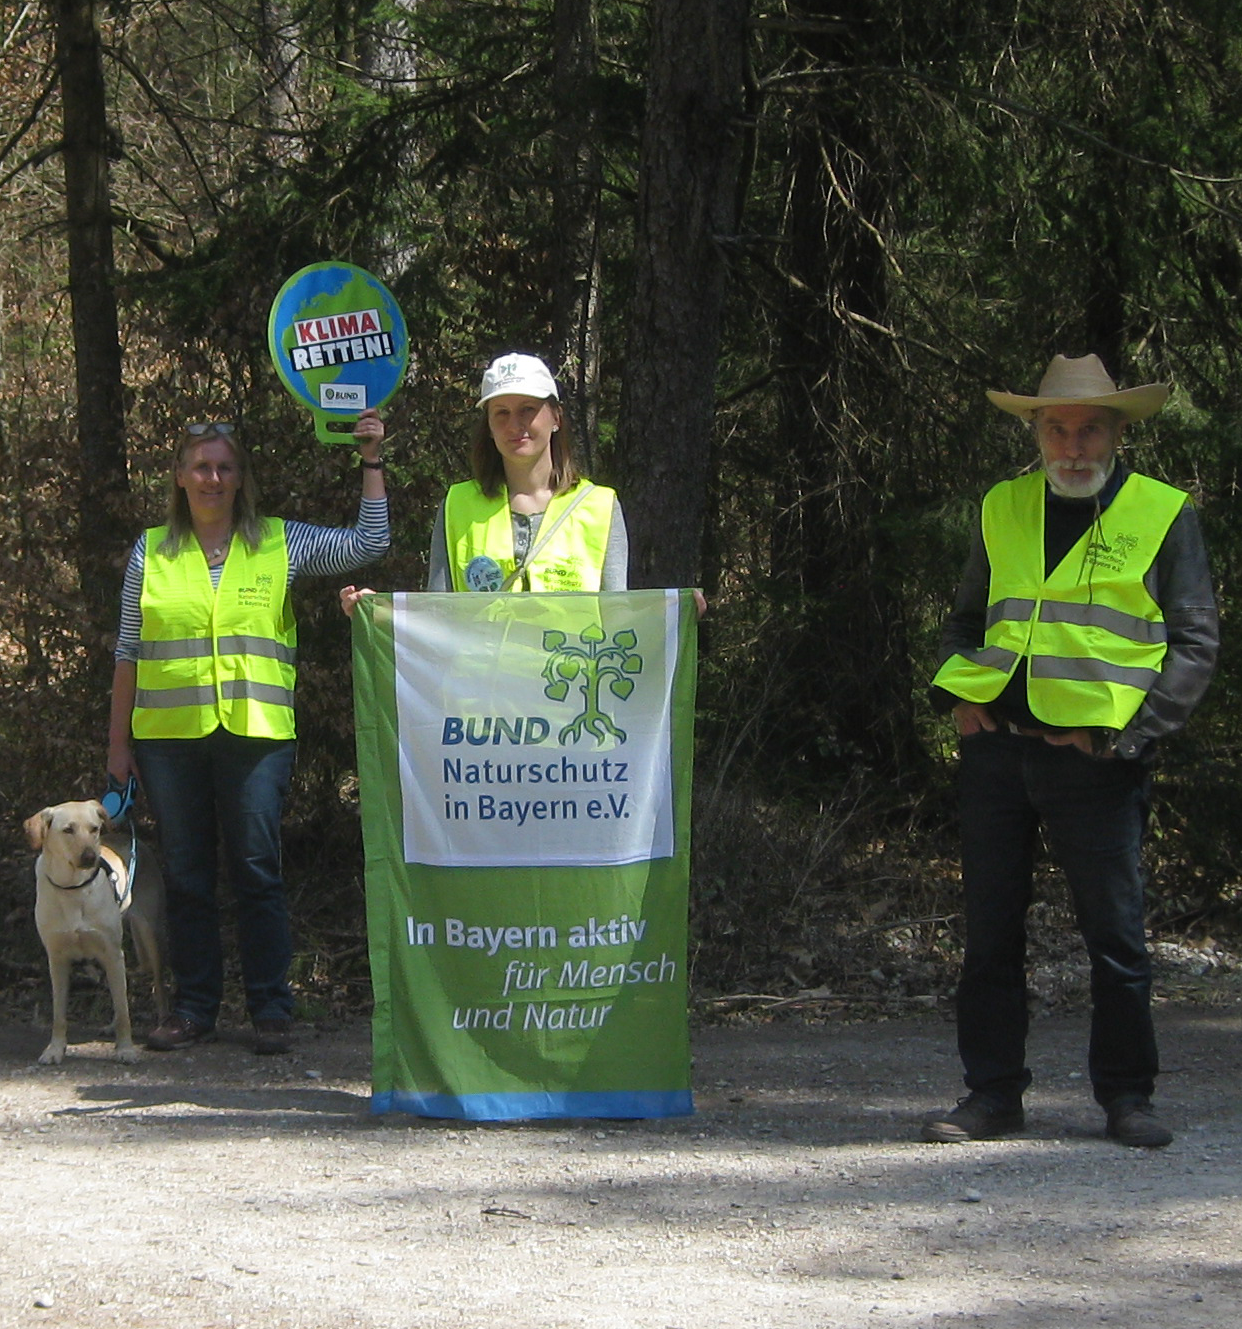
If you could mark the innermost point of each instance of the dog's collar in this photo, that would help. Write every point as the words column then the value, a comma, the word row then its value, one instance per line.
column 80, row 885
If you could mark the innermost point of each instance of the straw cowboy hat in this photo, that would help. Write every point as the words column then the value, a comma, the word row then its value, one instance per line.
column 1083, row 382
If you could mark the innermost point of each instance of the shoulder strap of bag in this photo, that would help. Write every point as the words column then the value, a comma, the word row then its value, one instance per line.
column 545, row 536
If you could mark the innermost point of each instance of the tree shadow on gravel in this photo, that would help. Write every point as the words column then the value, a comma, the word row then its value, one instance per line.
column 266, row 1105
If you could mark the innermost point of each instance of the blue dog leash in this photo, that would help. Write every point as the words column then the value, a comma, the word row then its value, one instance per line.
column 118, row 802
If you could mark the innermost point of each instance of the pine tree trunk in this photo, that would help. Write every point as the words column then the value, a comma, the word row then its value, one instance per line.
column 97, row 349
column 576, row 221
column 687, row 208
column 840, row 478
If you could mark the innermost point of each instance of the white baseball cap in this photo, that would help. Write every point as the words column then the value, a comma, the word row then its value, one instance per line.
column 525, row 375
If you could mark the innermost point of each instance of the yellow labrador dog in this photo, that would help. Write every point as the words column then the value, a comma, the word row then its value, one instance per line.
column 82, row 891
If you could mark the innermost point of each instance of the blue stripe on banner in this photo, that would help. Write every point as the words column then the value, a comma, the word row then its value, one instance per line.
column 534, row 1106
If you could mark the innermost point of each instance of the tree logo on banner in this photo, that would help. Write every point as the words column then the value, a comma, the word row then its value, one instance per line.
column 591, row 665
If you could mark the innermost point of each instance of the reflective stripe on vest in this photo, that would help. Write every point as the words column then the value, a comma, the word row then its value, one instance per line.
column 572, row 560
column 194, row 647
column 1092, row 636
column 212, row 656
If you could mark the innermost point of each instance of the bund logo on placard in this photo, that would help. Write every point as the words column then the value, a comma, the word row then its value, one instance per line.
column 592, row 664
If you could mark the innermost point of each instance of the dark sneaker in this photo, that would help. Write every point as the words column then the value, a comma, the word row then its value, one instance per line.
column 273, row 1038
column 1133, row 1121
column 974, row 1118
column 178, row 1031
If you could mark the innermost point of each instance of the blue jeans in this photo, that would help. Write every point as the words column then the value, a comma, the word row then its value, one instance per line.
column 229, row 790
column 1093, row 813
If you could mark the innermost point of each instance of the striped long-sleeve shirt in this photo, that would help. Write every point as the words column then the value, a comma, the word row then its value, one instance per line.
column 315, row 551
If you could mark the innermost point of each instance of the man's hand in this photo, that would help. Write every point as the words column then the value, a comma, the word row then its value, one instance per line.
column 1079, row 738
column 971, row 717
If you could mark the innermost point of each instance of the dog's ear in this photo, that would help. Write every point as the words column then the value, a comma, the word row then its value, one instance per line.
column 36, row 827
column 107, row 821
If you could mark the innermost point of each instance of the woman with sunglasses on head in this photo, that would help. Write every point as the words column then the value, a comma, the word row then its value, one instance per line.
column 202, row 710
column 526, row 521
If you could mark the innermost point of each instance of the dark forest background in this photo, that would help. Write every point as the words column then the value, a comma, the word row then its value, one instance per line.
column 777, row 252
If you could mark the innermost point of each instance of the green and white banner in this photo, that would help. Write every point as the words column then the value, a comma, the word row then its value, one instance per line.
column 525, row 768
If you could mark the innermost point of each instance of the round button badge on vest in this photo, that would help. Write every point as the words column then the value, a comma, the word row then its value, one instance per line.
column 484, row 574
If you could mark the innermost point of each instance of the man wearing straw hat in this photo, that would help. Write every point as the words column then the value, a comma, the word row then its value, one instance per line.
column 1084, row 631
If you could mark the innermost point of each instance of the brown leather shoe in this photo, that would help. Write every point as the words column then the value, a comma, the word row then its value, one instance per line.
column 178, row 1031
column 273, row 1038
column 1132, row 1120
column 976, row 1117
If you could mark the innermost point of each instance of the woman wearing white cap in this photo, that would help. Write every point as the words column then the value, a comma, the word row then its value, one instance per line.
column 526, row 521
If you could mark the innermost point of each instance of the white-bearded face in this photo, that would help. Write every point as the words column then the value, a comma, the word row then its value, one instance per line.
column 1078, row 446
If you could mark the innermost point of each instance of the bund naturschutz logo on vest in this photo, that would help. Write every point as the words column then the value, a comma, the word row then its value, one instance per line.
column 258, row 595
column 523, row 743
column 1112, row 557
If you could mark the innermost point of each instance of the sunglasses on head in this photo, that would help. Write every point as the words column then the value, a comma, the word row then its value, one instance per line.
column 209, row 427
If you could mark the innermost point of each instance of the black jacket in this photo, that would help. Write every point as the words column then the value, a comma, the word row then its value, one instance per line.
column 1179, row 581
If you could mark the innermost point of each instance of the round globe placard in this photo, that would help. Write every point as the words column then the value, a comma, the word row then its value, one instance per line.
column 339, row 343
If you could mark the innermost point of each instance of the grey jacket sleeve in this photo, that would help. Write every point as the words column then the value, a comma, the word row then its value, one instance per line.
column 615, row 574
column 1180, row 582
column 966, row 624
column 439, row 577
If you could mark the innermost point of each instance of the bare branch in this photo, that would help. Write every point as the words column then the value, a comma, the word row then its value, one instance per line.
column 29, row 121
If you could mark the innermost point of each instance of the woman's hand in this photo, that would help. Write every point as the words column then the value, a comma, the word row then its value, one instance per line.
column 350, row 595
column 369, row 431
column 121, row 764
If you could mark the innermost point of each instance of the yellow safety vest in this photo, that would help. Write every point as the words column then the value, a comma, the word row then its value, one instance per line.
column 1090, row 632
column 479, row 531
column 211, row 656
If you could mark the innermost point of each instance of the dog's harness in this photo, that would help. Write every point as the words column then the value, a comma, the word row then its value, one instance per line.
column 121, row 889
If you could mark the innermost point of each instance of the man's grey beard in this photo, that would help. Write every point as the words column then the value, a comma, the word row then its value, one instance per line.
column 1091, row 477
